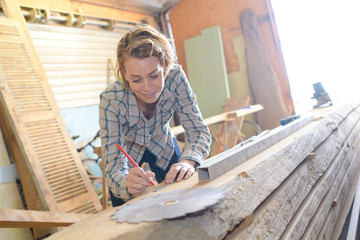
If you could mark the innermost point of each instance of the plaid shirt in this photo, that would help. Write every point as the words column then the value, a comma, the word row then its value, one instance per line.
column 122, row 122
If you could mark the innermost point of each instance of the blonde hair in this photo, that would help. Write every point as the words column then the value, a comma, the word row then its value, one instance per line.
column 141, row 42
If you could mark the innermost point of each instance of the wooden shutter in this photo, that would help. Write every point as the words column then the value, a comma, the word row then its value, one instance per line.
column 50, row 169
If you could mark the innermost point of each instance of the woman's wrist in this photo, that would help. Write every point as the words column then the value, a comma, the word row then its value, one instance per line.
column 191, row 162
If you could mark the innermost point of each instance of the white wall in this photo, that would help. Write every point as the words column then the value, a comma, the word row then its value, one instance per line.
column 320, row 40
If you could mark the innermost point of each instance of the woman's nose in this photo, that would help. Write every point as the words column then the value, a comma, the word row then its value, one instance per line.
column 146, row 85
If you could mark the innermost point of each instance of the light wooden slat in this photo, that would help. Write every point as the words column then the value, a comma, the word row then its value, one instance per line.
column 27, row 218
column 78, row 81
column 69, row 56
column 78, row 102
column 37, row 29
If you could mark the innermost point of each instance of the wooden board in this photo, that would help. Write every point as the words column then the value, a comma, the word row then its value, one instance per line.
column 238, row 81
column 263, row 83
column 15, row 218
column 223, row 116
column 206, row 66
column 51, row 173
column 270, row 178
column 355, row 212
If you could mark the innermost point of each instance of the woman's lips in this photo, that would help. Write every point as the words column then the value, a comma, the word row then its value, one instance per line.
column 149, row 95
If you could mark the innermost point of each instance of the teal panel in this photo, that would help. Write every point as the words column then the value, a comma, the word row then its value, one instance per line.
column 206, row 70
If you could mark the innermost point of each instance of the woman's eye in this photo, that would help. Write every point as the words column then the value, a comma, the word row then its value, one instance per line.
column 154, row 76
column 136, row 80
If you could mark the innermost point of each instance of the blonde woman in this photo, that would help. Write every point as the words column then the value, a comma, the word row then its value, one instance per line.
column 135, row 112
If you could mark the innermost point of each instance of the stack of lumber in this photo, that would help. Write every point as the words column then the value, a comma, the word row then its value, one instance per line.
column 299, row 188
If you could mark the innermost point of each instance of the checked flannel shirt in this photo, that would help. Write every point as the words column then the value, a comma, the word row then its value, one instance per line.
column 122, row 122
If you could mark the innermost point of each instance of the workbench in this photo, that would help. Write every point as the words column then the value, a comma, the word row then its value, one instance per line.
column 300, row 187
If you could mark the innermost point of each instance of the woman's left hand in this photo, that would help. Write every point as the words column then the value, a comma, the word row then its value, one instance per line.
column 180, row 171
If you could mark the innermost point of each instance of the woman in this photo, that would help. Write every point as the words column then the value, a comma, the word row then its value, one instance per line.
column 135, row 113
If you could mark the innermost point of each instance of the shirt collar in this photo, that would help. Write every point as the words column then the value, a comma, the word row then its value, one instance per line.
column 134, row 110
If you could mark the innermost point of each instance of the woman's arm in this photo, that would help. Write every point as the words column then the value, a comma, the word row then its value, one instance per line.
column 116, row 167
column 197, row 135
column 122, row 181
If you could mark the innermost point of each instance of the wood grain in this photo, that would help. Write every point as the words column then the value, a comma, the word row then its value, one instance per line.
column 248, row 187
column 16, row 218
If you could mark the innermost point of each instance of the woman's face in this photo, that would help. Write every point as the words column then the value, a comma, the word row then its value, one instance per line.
column 145, row 77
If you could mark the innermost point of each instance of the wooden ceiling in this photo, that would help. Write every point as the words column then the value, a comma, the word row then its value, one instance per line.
column 150, row 7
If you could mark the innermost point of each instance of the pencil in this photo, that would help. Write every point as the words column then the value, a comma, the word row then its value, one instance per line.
column 131, row 160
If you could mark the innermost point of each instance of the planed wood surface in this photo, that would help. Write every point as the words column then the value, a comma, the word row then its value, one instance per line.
column 15, row 218
column 260, row 184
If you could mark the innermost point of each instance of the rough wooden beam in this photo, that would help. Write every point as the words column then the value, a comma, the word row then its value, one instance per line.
column 324, row 212
column 355, row 212
column 305, row 187
column 337, row 215
column 317, row 196
column 225, row 161
column 14, row 218
column 247, row 186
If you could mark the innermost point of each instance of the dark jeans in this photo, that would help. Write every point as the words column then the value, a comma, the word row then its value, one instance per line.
column 159, row 173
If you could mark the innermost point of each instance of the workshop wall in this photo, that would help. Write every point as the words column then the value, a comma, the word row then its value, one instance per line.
column 189, row 17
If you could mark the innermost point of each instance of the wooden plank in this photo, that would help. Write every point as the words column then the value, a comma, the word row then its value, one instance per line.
column 15, row 218
column 326, row 206
column 206, row 66
column 228, row 133
column 355, row 212
column 223, row 162
column 342, row 201
column 263, row 83
column 223, row 117
column 248, row 184
column 301, row 220
column 288, row 201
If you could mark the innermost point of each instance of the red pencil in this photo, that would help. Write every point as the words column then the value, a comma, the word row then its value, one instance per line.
column 130, row 159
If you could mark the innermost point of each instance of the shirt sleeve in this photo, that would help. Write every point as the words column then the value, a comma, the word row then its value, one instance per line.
column 116, row 167
column 197, row 135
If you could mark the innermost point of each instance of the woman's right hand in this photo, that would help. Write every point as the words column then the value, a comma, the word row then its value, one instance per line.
column 138, row 180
